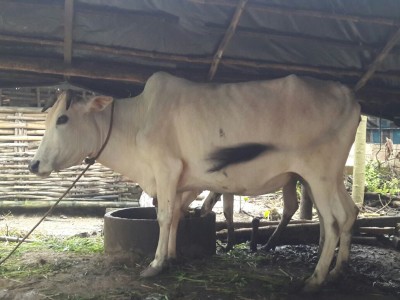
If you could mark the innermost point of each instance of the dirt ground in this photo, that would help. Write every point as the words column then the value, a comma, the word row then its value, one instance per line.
column 373, row 273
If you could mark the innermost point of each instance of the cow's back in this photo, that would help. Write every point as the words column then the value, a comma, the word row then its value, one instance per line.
column 287, row 112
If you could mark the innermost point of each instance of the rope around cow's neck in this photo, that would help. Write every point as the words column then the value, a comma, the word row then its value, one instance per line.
column 89, row 161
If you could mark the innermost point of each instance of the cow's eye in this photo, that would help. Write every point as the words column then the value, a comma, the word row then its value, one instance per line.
column 62, row 119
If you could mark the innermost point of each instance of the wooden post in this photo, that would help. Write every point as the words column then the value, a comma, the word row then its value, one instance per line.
column 305, row 205
column 359, row 162
column 38, row 97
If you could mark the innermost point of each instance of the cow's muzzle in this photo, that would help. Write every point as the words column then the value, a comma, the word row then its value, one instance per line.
column 34, row 166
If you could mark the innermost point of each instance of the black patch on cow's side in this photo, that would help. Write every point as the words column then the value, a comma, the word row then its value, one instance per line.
column 224, row 157
column 221, row 133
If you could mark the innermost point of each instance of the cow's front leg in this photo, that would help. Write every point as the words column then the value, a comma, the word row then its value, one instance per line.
column 167, row 181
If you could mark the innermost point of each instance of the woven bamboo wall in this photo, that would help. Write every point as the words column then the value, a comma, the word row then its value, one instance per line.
column 21, row 130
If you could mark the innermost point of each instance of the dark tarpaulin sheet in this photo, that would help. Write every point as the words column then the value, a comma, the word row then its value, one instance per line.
column 194, row 29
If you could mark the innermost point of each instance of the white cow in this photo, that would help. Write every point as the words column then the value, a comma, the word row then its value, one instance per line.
column 178, row 138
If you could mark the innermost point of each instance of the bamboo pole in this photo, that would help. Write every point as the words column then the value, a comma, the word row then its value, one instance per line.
column 359, row 163
column 14, row 109
column 15, row 239
column 227, row 37
column 20, row 138
column 8, row 125
column 378, row 60
column 70, row 203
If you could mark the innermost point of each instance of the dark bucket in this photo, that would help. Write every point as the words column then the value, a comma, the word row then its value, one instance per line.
column 136, row 230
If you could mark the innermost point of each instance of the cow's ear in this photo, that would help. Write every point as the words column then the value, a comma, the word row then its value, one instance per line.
column 98, row 103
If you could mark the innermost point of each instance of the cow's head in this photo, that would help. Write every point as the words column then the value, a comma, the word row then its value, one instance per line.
column 74, row 130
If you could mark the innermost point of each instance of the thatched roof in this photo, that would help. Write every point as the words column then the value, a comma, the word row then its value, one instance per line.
column 112, row 46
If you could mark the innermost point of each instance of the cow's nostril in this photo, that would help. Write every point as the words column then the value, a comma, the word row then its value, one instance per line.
column 34, row 166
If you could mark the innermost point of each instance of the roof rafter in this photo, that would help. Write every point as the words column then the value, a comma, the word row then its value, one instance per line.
column 302, row 38
column 68, row 29
column 378, row 60
column 227, row 37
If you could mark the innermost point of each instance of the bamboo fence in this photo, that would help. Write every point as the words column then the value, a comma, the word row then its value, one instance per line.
column 21, row 130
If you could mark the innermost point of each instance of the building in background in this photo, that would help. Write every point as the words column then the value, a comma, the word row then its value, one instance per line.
column 379, row 129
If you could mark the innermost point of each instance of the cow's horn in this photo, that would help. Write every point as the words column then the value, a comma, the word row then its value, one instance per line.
column 68, row 97
column 49, row 103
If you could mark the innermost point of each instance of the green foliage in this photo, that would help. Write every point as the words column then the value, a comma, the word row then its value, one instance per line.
column 76, row 244
column 12, row 268
column 379, row 179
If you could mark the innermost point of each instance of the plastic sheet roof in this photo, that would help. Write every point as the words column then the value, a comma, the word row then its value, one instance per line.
column 113, row 46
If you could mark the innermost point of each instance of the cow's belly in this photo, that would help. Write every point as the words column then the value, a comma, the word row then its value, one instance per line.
column 251, row 178
column 245, row 187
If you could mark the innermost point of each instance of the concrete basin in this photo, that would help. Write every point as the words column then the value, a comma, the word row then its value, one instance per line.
column 136, row 230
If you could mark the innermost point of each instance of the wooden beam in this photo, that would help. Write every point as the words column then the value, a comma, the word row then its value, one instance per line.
column 299, row 38
column 139, row 75
column 291, row 68
column 109, row 50
column 378, row 60
column 226, row 39
column 306, row 12
column 68, row 30
column 104, row 71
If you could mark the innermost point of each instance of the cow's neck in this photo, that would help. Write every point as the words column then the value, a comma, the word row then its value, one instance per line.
column 120, row 152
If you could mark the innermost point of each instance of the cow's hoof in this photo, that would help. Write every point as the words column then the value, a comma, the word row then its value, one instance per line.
column 311, row 286
column 173, row 261
column 267, row 248
column 338, row 272
column 333, row 276
column 150, row 272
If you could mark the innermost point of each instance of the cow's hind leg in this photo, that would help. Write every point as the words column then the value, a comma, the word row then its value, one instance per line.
column 228, row 213
column 290, row 206
column 209, row 203
column 350, row 216
column 325, row 194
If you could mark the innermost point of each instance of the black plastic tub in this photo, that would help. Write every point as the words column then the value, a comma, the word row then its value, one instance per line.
column 136, row 230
